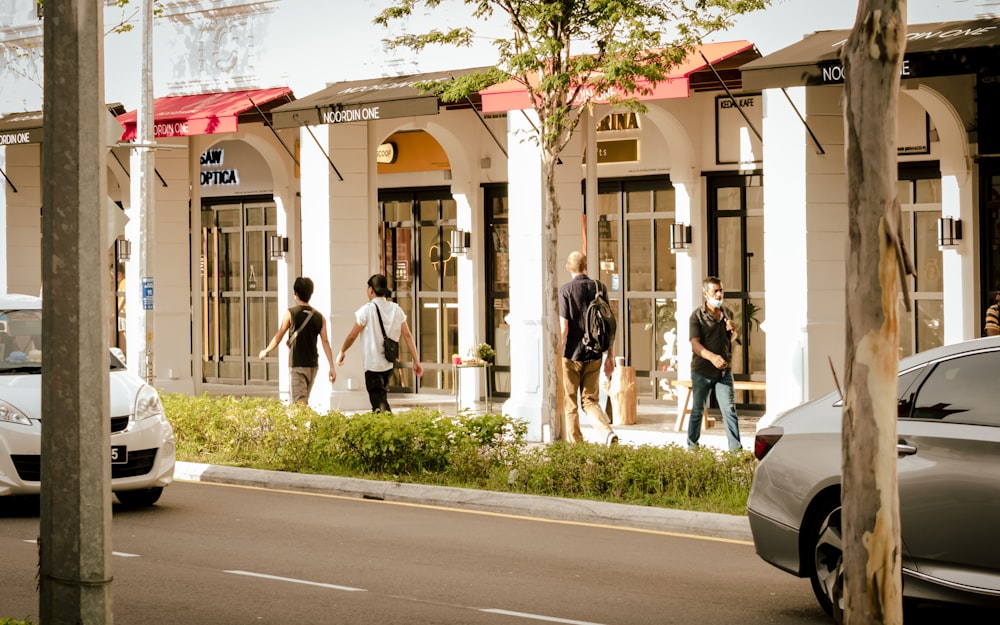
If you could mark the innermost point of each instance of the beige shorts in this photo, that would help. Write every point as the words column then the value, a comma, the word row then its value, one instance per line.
column 300, row 383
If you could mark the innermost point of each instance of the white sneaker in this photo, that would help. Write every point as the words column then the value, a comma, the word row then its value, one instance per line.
column 612, row 439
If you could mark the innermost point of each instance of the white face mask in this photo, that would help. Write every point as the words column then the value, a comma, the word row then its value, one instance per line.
column 715, row 303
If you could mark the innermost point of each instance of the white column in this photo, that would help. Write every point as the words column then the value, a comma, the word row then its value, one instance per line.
column 525, row 189
column 959, row 263
column 690, row 262
column 786, row 263
column 348, row 237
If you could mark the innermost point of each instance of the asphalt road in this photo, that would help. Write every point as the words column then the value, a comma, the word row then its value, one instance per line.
column 215, row 554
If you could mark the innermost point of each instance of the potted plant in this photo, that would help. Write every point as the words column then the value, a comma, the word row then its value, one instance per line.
column 483, row 352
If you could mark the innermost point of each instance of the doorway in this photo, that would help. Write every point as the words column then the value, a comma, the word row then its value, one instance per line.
column 736, row 256
column 417, row 259
column 634, row 260
column 239, row 291
column 989, row 233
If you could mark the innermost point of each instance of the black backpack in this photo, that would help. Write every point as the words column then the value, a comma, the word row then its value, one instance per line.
column 599, row 323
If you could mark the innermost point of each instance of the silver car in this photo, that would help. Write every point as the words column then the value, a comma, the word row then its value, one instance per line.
column 949, row 481
column 142, row 440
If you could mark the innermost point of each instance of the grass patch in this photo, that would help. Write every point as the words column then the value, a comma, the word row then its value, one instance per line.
column 424, row 446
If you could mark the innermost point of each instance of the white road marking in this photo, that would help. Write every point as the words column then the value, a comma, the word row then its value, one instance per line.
column 297, row 581
column 120, row 554
column 537, row 617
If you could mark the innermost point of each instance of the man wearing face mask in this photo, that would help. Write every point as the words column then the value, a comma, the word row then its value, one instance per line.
column 712, row 332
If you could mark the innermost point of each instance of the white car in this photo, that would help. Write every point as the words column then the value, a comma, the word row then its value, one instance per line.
column 142, row 440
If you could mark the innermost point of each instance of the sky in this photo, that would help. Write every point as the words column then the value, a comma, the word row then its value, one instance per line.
column 309, row 44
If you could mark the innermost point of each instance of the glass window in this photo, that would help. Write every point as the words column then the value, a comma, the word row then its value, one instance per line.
column 666, row 263
column 961, row 390
column 927, row 256
column 930, row 324
column 639, row 201
column 730, row 252
column 728, row 199
column 664, row 200
column 639, row 254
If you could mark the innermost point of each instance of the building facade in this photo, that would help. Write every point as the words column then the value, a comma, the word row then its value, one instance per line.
column 734, row 169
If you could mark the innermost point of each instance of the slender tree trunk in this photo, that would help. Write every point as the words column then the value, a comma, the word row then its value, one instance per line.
column 552, row 337
column 872, row 60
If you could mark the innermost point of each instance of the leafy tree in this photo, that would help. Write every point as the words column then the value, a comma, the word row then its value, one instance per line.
column 564, row 53
column 873, row 57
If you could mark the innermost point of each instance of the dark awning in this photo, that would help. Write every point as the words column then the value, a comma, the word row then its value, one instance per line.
column 938, row 49
column 366, row 100
column 21, row 128
column 203, row 113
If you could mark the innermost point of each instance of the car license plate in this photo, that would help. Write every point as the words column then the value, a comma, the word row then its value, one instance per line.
column 119, row 454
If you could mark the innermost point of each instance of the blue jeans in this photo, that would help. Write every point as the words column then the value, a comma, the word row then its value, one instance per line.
column 701, row 386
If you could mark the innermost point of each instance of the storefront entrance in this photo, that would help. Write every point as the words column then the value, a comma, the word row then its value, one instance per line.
column 634, row 261
column 239, row 290
column 736, row 256
column 989, row 220
column 416, row 255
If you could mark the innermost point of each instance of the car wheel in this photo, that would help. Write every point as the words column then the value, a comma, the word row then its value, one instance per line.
column 826, row 569
column 139, row 498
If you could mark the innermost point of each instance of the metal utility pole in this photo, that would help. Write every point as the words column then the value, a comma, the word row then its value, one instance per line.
column 75, row 519
column 140, row 276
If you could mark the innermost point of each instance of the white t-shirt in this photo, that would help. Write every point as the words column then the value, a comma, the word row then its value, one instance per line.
column 372, row 354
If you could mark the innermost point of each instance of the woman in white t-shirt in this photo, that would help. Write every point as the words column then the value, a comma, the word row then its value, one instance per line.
column 378, row 370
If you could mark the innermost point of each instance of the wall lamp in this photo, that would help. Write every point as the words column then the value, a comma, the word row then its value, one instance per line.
column 680, row 236
column 460, row 241
column 123, row 250
column 949, row 232
column 278, row 246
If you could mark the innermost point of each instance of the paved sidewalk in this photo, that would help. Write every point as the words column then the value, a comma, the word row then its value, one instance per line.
column 654, row 422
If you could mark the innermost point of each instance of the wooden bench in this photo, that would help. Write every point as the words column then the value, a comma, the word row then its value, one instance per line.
column 684, row 406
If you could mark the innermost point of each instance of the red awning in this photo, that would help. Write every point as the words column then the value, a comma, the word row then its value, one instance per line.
column 512, row 95
column 201, row 114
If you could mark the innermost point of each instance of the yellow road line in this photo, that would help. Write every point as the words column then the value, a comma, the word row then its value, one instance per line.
column 504, row 515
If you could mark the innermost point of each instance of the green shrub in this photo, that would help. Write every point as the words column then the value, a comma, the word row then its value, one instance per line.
column 482, row 451
column 13, row 621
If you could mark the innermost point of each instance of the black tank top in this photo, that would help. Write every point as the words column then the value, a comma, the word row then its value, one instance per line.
column 303, row 352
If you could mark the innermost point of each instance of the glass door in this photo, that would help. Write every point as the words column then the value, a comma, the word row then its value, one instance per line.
column 416, row 230
column 634, row 218
column 238, row 292
column 736, row 256
column 919, row 191
column 989, row 270
column 497, row 267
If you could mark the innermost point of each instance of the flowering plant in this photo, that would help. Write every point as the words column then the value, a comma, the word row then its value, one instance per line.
column 483, row 351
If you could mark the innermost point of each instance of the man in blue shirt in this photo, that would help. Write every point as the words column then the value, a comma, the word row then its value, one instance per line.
column 712, row 332
column 581, row 367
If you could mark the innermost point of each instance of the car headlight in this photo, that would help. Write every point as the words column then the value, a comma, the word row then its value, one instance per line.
column 147, row 403
column 11, row 414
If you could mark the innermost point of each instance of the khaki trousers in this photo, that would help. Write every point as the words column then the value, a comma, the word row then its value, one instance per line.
column 583, row 377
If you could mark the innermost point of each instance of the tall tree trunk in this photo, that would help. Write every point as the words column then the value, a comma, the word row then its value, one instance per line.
column 871, row 541
column 552, row 403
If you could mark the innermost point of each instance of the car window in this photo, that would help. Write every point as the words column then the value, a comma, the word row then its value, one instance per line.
column 906, row 394
column 961, row 390
column 20, row 341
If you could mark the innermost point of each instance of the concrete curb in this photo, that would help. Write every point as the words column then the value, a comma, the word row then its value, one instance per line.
column 641, row 517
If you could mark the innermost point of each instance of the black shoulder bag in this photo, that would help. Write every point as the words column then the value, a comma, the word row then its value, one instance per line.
column 389, row 346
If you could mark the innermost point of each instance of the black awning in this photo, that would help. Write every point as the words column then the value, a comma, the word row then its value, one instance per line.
column 21, row 128
column 365, row 100
column 938, row 49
